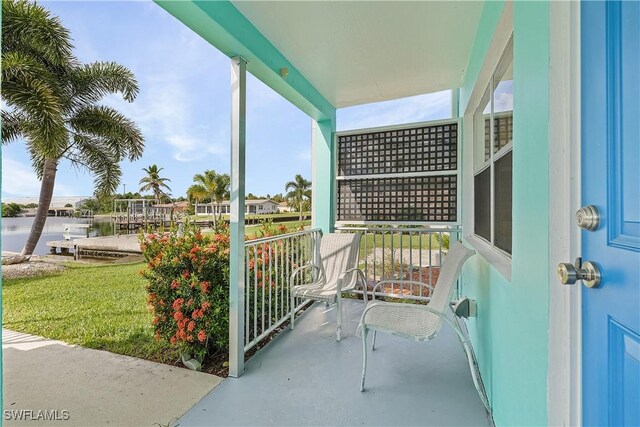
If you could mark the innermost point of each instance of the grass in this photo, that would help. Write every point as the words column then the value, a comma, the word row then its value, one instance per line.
column 99, row 307
column 251, row 230
column 397, row 241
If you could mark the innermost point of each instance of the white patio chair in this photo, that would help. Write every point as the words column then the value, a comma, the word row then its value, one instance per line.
column 420, row 322
column 336, row 271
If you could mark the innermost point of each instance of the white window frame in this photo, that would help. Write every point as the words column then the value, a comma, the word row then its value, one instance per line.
column 479, row 148
column 502, row 38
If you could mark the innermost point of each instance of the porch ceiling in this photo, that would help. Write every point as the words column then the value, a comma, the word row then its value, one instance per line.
column 360, row 52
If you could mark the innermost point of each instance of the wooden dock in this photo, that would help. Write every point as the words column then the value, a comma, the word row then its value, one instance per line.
column 107, row 246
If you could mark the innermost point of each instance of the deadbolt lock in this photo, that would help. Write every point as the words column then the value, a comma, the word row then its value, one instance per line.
column 588, row 218
column 587, row 272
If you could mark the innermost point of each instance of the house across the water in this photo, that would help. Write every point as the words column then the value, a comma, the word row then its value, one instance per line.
column 257, row 206
column 168, row 208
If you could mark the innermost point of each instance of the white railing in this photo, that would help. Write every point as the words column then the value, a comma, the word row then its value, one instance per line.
column 269, row 264
column 386, row 253
column 413, row 254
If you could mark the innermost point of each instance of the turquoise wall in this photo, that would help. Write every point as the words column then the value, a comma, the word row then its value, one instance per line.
column 510, row 334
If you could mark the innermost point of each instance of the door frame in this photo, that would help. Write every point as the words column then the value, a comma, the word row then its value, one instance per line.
column 564, row 377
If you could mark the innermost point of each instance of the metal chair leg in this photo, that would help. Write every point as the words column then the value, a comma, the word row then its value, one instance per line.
column 293, row 310
column 373, row 342
column 339, row 318
column 364, row 356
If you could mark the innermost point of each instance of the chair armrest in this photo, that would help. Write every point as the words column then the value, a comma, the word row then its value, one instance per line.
column 402, row 282
column 299, row 269
column 350, row 271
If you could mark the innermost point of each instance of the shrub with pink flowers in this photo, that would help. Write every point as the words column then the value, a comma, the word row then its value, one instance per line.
column 188, row 285
column 188, row 288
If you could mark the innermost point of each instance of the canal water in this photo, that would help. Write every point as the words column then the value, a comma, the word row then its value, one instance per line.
column 16, row 230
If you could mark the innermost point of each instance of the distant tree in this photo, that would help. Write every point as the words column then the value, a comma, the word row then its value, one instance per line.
column 68, row 205
column 53, row 104
column 92, row 205
column 251, row 196
column 11, row 209
column 197, row 193
column 155, row 183
column 216, row 186
column 278, row 198
column 299, row 190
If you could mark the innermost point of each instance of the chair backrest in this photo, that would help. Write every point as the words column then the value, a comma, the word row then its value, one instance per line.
column 339, row 252
column 449, row 273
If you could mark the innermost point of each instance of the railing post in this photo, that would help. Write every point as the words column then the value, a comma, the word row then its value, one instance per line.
column 237, row 264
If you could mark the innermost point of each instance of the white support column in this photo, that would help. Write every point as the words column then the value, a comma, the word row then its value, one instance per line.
column 237, row 261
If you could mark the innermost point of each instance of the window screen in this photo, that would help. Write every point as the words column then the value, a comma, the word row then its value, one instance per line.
column 503, row 172
column 482, row 204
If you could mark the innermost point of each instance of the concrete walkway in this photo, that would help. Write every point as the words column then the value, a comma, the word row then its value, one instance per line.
column 95, row 388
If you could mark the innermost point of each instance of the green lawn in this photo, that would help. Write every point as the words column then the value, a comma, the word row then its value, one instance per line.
column 250, row 230
column 398, row 241
column 100, row 307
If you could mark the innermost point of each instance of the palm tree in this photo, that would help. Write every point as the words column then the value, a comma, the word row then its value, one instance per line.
column 196, row 193
column 215, row 186
column 153, row 182
column 52, row 105
column 299, row 190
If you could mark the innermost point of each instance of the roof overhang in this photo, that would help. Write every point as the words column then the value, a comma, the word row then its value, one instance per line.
column 340, row 54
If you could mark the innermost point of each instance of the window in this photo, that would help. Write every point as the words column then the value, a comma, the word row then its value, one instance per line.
column 493, row 144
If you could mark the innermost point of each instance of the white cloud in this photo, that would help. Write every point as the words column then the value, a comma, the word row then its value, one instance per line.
column 169, row 108
column 165, row 113
column 19, row 179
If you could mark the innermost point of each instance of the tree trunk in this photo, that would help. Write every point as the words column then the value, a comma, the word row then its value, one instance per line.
column 44, row 202
column 301, row 202
column 213, row 214
column 219, row 212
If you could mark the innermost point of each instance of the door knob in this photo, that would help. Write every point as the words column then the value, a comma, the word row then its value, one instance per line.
column 587, row 271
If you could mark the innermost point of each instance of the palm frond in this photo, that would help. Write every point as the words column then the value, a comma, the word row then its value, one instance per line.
column 37, row 101
column 100, row 160
column 91, row 82
column 121, row 133
column 13, row 126
column 20, row 66
column 27, row 26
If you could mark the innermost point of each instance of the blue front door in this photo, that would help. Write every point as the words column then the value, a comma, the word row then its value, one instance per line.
column 610, row 172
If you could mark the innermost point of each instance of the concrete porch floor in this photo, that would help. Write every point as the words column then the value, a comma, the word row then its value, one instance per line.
column 305, row 377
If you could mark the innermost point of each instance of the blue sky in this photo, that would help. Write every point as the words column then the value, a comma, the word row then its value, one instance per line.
column 183, row 106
